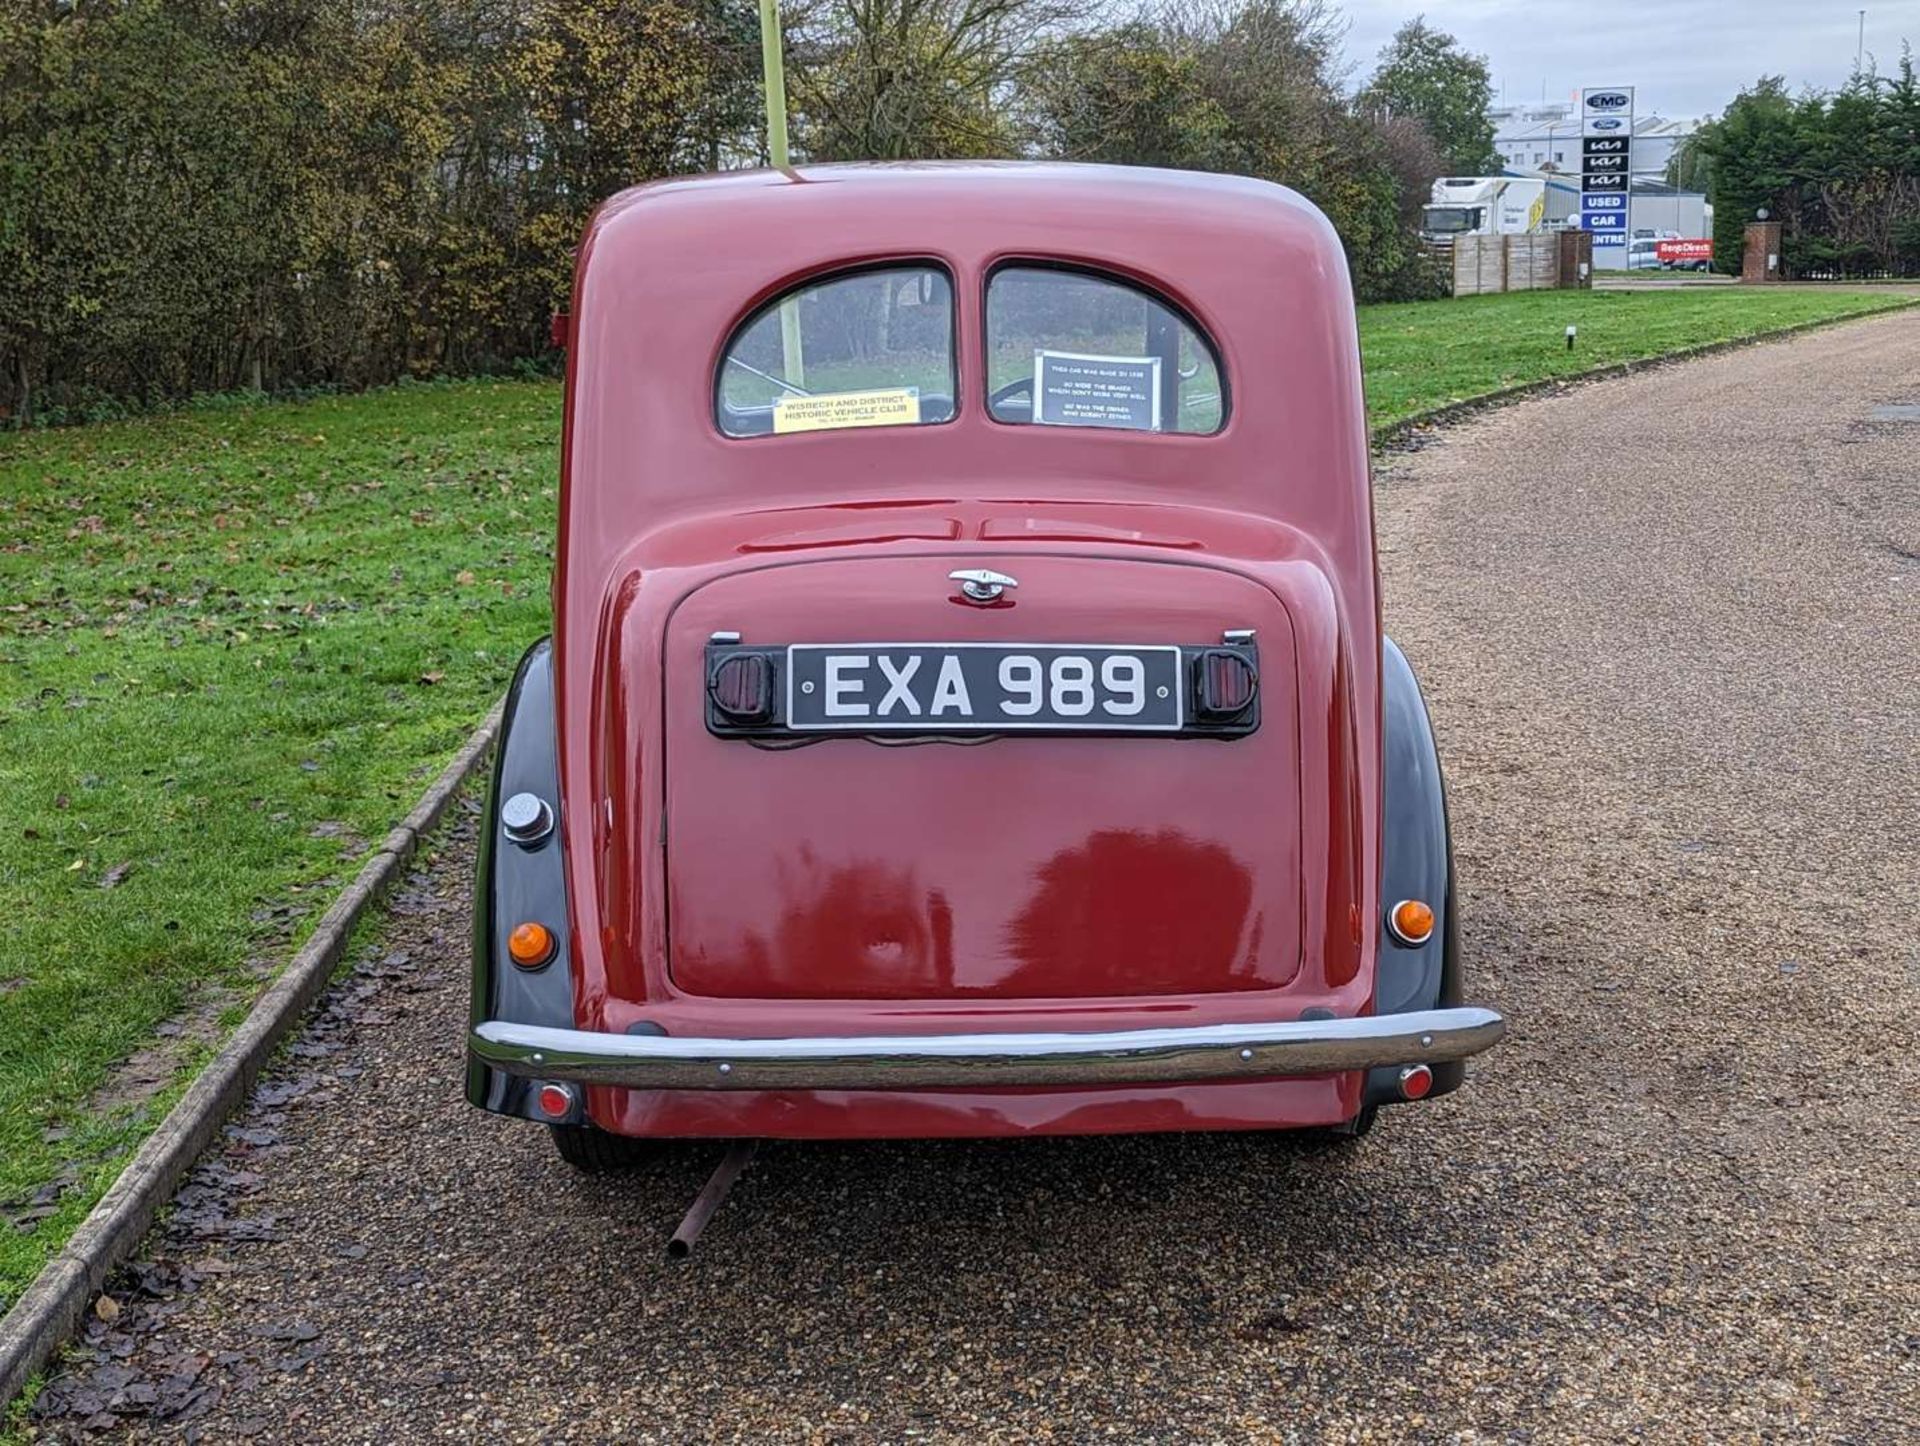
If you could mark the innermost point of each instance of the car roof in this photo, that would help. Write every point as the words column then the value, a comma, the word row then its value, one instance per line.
column 668, row 271
column 975, row 189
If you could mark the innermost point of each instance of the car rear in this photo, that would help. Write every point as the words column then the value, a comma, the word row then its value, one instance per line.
column 964, row 712
column 940, row 837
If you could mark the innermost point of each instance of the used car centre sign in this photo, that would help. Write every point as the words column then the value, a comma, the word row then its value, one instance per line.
column 1606, row 163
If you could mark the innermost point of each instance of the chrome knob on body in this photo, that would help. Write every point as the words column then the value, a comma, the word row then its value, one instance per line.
column 526, row 818
column 981, row 584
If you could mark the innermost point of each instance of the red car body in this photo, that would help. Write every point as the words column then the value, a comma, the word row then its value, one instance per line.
column 710, row 889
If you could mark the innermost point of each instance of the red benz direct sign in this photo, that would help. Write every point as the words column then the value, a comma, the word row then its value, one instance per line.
column 1696, row 250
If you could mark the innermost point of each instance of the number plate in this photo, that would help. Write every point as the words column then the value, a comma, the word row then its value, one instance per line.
column 983, row 688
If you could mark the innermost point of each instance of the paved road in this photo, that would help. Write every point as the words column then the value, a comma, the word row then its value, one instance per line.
column 1671, row 630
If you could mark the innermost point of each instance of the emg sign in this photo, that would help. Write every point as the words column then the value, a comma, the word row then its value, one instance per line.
column 1606, row 166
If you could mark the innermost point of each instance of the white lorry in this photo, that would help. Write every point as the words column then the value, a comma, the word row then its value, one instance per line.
column 1484, row 206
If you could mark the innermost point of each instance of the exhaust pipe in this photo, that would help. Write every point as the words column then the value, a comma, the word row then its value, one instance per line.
column 710, row 1197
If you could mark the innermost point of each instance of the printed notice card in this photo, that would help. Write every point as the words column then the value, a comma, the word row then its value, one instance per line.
column 1072, row 389
column 893, row 407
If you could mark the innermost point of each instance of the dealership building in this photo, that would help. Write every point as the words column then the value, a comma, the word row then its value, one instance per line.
column 1545, row 136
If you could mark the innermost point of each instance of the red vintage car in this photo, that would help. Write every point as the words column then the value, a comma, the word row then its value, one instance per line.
column 967, row 711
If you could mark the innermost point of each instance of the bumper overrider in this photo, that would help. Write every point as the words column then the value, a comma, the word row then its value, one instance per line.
column 987, row 1061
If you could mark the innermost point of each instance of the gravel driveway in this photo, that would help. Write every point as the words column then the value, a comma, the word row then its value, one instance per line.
column 1670, row 629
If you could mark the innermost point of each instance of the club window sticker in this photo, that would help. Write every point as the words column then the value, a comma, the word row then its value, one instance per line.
column 1080, row 389
column 828, row 411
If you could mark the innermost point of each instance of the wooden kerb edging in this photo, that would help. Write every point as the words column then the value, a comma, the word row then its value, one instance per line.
column 51, row 1309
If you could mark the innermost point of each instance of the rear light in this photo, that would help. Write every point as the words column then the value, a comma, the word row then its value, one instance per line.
column 555, row 1101
column 1416, row 1081
column 530, row 945
column 1411, row 922
column 1226, row 683
column 741, row 686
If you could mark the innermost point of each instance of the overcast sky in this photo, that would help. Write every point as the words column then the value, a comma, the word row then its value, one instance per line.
column 1684, row 57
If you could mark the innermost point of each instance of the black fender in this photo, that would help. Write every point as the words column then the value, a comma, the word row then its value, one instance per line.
column 1416, row 863
column 516, row 882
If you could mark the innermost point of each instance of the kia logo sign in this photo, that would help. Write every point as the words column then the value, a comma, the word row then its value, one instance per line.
column 1606, row 123
column 1604, row 100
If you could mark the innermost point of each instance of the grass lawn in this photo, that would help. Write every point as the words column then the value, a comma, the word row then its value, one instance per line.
column 234, row 646
column 235, row 643
column 1421, row 355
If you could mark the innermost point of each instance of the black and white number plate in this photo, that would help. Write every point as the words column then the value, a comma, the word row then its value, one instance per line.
column 983, row 687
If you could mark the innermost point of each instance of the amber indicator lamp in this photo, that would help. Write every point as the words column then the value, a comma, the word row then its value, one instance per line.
column 1411, row 921
column 530, row 945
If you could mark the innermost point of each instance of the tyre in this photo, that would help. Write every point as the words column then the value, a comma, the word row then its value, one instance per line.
column 1356, row 1128
column 594, row 1151
column 1340, row 1136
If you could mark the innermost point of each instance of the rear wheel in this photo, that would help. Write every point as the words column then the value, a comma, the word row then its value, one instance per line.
column 1341, row 1134
column 1353, row 1129
column 593, row 1150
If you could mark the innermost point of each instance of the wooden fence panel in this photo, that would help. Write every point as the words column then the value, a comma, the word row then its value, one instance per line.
column 1485, row 264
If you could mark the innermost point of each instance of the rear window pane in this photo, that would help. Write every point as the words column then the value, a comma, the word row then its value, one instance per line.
column 871, row 349
column 1070, row 349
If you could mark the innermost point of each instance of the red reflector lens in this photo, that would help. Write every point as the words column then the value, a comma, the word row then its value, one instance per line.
column 742, row 687
column 1415, row 1081
column 1226, row 682
column 556, row 1101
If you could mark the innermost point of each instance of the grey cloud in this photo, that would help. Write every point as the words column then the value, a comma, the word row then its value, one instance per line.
column 1685, row 57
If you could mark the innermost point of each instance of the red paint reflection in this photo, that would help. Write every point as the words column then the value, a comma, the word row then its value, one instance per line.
column 1130, row 913
column 861, row 930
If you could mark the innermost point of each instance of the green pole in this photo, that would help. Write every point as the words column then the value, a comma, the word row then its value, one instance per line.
column 773, row 67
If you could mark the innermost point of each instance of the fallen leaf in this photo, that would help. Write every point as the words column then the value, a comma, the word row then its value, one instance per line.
column 465, row 578
column 429, row 679
column 297, row 1330
column 107, row 1309
column 301, row 1358
column 113, row 877
column 76, row 866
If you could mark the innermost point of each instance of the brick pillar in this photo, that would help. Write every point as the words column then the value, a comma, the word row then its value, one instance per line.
column 1576, row 260
column 1761, row 259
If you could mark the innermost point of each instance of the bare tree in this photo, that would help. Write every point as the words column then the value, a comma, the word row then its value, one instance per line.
column 899, row 79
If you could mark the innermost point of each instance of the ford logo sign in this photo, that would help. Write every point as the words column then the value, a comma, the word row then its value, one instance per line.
column 1608, row 100
column 1608, row 123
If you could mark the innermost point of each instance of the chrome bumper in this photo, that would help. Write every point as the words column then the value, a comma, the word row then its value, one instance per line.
column 987, row 1061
